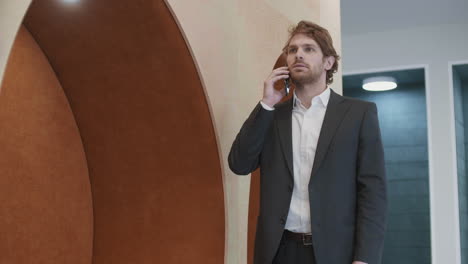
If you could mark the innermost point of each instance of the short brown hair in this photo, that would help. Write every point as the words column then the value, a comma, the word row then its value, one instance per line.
column 323, row 39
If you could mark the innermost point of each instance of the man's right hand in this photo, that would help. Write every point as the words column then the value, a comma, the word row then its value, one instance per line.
column 271, row 96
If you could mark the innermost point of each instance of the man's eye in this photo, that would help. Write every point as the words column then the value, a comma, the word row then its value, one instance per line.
column 291, row 50
column 308, row 49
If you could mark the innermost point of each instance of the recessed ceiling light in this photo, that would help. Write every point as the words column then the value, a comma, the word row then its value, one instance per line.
column 381, row 83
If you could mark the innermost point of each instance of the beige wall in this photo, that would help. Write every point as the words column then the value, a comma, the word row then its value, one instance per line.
column 11, row 15
column 235, row 45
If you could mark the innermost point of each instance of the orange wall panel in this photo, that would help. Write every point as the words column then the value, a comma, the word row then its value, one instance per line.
column 45, row 196
column 145, row 125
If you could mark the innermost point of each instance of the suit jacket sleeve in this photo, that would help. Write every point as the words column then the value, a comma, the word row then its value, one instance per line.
column 371, row 191
column 245, row 151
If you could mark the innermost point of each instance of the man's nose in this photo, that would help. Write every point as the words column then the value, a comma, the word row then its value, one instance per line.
column 299, row 54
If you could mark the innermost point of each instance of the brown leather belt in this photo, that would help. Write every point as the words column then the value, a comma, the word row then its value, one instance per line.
column 304, row 238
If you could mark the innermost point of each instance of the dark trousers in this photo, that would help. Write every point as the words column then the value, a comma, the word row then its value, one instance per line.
column 293, row 251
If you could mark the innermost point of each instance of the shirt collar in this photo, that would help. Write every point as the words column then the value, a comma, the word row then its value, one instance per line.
column 324, row 97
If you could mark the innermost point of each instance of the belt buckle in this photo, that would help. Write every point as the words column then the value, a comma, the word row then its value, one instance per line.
column 307, row 239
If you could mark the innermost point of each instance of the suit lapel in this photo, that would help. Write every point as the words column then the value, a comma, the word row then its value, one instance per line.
column 336, row 110
column 334, row 114
column 284, row 125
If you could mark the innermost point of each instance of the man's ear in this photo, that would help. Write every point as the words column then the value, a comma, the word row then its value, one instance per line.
column 329, row 61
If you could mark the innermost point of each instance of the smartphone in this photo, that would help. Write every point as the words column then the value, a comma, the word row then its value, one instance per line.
column 286, row 86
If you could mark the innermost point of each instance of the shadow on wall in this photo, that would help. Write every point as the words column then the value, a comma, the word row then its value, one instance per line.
column 109, row 153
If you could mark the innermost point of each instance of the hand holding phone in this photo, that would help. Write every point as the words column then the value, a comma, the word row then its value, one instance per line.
column 271, row 96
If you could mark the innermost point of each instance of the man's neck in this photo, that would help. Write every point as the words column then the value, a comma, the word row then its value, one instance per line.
column 307, row 91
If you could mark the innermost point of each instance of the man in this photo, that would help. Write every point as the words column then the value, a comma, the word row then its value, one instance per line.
column 323, row 186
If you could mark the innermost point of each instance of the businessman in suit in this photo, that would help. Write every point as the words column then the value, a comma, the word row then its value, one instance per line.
column 323, row 187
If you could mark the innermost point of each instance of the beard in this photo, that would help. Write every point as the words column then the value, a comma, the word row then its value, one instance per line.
column 299, row 79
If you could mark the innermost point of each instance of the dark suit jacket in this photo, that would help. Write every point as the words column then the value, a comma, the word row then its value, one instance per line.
column 347, row 188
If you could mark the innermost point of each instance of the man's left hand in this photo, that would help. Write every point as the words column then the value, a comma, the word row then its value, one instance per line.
column 359, row 262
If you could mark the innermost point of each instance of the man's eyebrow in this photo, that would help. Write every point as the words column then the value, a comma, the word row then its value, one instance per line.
column 303, row 45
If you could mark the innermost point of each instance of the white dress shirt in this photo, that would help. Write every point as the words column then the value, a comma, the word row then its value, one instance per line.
column 306, row 126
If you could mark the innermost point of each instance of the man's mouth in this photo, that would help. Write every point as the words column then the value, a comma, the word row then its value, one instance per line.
column 299, row 65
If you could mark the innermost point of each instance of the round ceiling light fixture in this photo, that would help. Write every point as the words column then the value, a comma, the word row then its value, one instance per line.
column 378, row 84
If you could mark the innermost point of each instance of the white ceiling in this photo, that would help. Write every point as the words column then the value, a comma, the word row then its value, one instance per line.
column 362, row 16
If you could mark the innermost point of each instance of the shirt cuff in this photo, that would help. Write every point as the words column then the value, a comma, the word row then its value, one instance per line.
column 266, row 107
